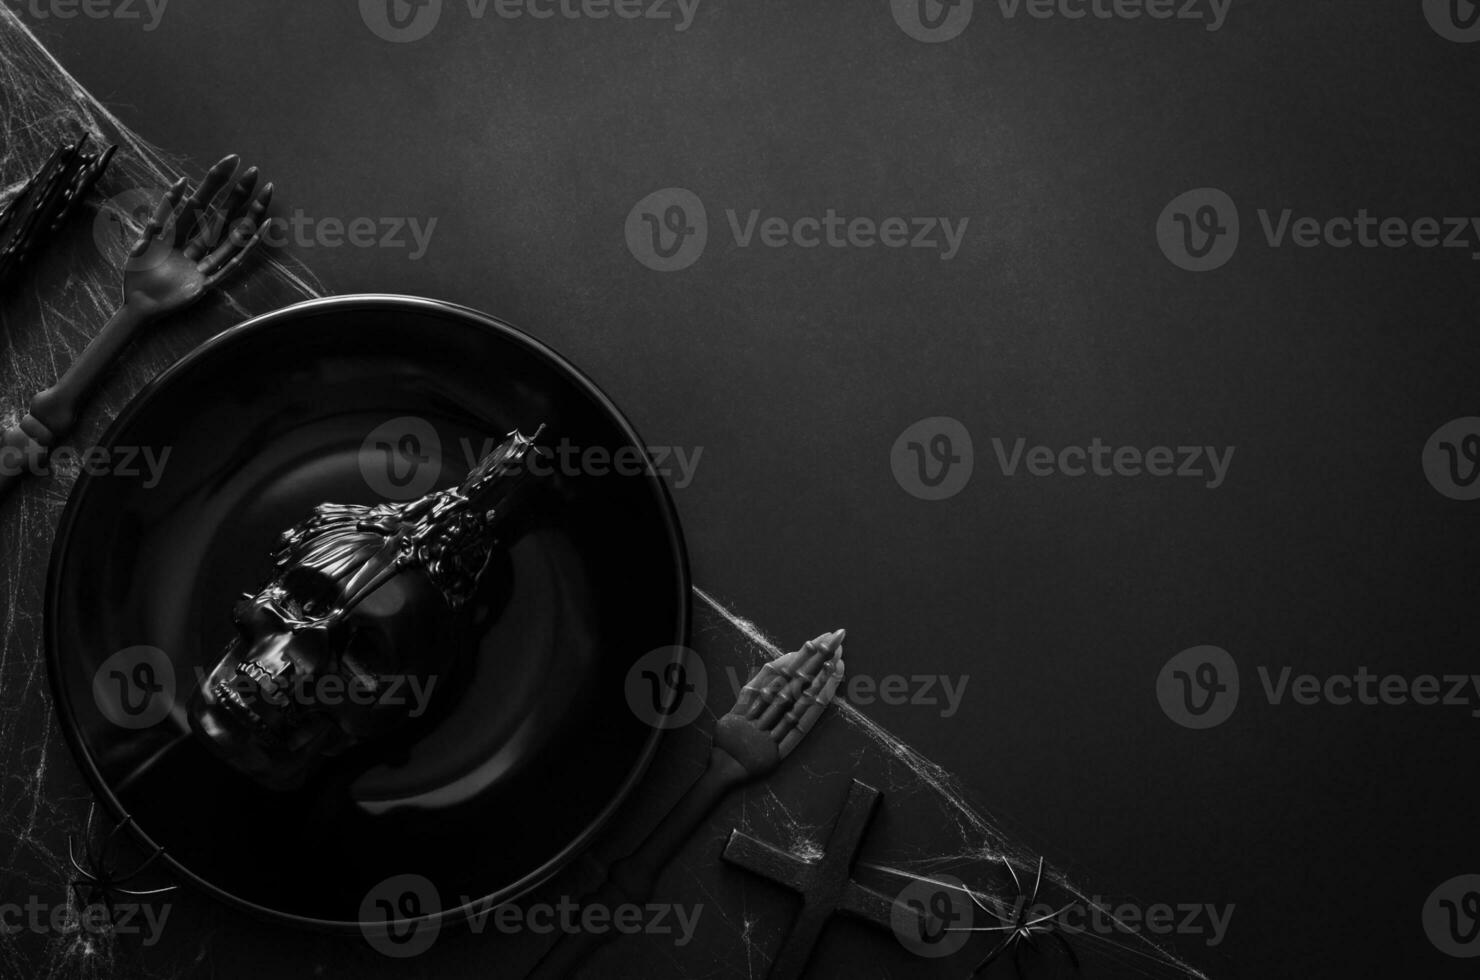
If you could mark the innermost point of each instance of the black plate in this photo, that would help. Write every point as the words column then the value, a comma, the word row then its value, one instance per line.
column 538, row 746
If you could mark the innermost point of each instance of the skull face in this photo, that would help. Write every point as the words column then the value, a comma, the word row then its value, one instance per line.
column 290, row 693
column 350, row 638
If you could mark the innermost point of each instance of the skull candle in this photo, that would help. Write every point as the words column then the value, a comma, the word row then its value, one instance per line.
column 350, row 636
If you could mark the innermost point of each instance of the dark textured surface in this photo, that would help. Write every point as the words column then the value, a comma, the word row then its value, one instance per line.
column 1058, row 321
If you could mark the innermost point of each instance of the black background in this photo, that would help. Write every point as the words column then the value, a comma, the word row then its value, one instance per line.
column 1059, row 321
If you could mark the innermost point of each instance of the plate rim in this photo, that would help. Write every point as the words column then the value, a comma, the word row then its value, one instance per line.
column 63, row 536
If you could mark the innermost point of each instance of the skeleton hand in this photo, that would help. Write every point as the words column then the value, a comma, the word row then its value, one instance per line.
column 188, row 249
column 178, row 259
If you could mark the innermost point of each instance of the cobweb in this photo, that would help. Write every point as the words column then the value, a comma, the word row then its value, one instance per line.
column 45, row 322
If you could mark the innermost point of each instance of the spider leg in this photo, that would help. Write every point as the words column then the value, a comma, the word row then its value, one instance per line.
column 1049, row 917
column 94, row 860
column 144, row 866
column 1015, row 883
column 1037, row 881
column 1006, row 922
column 1065, row 945
column 992, row 956
column 140, row 893
column 72, row 857
column 109, row 848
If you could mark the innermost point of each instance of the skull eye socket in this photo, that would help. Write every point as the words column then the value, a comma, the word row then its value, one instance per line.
column 368, row 656
column 309, row 593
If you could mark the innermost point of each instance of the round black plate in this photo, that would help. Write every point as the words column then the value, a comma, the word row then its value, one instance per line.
column 533, row 746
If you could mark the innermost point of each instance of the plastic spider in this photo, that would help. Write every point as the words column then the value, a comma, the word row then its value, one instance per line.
column 99, row 875
column 1021, row 926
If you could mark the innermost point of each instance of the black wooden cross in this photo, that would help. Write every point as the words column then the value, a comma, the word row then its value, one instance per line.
column 826, row 884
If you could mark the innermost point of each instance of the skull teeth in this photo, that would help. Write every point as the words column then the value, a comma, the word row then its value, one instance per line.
column 235, row 703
